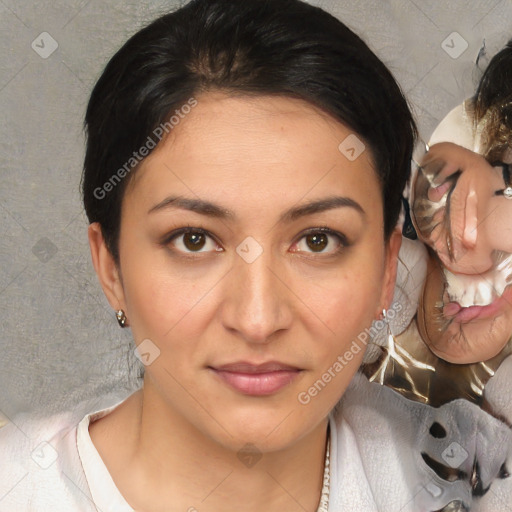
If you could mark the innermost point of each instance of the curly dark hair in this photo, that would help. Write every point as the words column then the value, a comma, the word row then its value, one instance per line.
column 492, row 105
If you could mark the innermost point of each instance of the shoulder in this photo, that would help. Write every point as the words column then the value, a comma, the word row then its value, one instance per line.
column 41, row 467
column 371, row 431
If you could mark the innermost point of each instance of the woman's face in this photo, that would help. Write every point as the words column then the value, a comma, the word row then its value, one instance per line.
column 466, row 313
column 251, row 257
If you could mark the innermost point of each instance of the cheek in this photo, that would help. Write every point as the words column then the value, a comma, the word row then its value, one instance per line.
column 355, row 302
column 346, row 307
column 167, row 301
column 347, row 302
column 159, row 297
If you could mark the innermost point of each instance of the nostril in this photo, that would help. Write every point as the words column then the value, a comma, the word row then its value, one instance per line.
column 437, row 430
column 503, row 471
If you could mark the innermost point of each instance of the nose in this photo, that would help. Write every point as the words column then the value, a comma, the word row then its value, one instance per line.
column 258, row 303
column 474, row 254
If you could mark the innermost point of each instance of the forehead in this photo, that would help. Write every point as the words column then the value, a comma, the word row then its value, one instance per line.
column 254, row 147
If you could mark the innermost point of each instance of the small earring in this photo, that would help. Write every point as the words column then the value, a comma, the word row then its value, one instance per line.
column 390, row 335
column 121, row 318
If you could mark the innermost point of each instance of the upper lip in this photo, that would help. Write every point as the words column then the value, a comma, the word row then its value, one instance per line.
column 247, row 367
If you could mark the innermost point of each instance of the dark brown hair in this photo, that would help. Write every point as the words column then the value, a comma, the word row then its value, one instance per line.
column 281, row 47
column 493, row 104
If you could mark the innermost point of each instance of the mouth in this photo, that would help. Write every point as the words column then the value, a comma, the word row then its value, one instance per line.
column 460, row 314
column 468, row 290
column 256, row 379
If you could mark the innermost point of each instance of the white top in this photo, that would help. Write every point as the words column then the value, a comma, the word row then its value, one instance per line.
column 51, row 465
column 104, row 492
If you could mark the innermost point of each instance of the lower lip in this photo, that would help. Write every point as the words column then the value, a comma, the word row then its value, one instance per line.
column 465, row 315
column 258, row 384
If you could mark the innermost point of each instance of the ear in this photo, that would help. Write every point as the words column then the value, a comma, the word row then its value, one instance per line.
column 388, row 288
column 106, row 268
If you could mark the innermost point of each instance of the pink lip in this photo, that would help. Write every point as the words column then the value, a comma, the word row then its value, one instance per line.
column 257, row 380
column 465, row 315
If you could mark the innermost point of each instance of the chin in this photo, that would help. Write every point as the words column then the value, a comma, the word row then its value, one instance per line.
column 270, row 427
column 261, row 437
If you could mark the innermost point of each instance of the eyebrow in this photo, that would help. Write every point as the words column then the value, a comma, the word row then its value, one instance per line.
column 213, row 210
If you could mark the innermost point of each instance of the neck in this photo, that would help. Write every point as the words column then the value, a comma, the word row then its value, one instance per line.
column 180, row 468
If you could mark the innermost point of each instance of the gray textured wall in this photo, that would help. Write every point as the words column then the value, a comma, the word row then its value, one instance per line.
column 59, row 339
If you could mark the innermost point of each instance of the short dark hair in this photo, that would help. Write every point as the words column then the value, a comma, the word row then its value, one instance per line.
column 492, row 104
column 262, row 47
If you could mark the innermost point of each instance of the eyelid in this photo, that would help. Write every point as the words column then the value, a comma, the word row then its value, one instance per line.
column 343, row 240
column 169, row 237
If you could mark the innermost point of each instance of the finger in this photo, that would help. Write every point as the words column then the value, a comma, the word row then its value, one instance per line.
column 437, row 193
column 437, row 169
column 456, row 157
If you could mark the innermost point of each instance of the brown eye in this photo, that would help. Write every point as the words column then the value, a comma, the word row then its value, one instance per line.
column 194, row 241
column 317, row 242
column 321, row 241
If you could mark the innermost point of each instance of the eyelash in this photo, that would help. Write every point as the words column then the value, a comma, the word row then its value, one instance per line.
column 341, row 238
column 343, row 242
